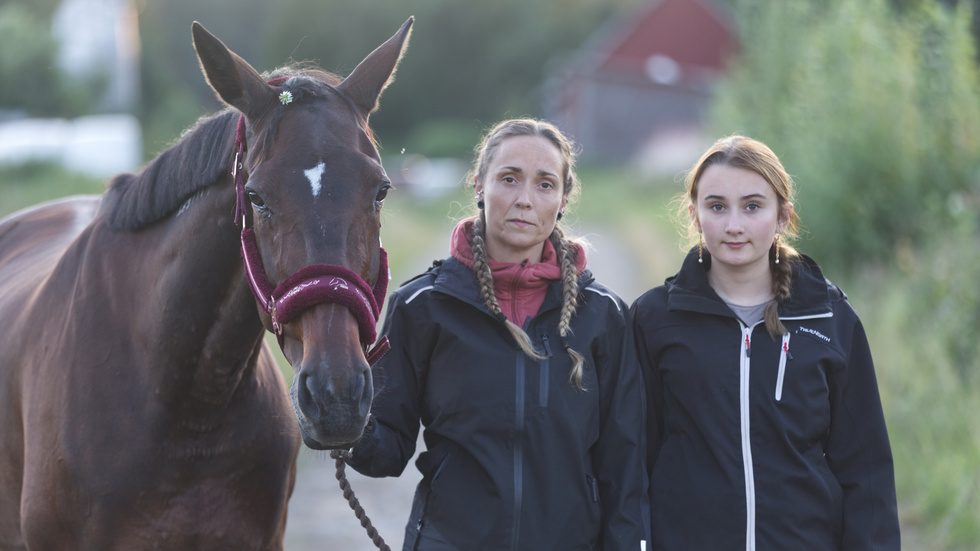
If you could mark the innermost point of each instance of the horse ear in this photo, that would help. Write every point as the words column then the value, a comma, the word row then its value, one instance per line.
column 371, row 76
column 231, row 77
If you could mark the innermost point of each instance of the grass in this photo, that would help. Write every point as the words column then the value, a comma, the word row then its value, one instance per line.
column 931, row 405
column 29, row 184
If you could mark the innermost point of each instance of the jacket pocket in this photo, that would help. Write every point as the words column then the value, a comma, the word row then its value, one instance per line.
column 430, row 464
column 593, row 488
column 783, row 356
column 414, row 527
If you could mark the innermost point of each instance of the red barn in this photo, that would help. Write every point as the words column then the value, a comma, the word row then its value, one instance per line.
column 639, row 89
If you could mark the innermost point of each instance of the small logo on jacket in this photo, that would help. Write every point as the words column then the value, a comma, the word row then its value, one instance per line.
column 814, row 332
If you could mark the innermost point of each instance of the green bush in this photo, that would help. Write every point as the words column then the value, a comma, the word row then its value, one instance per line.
column 873, row 112
column 922, row 327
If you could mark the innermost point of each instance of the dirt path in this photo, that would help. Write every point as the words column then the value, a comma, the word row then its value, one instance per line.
column 321, row 520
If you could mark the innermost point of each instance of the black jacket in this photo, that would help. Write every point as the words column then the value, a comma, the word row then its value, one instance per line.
column 517, row 457
column 759, row 443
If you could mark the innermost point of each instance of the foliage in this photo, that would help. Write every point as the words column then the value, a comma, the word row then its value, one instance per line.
column 874, row 113
column 922, row 326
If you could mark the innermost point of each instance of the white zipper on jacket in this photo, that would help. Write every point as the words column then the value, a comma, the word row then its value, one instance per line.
column 744, row 413
column 783, row 352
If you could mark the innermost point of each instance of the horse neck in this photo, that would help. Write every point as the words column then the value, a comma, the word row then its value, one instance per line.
column 209, row 329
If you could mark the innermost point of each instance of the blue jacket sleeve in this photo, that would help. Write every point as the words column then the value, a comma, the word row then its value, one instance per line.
column 389, row 441
column 859, row 453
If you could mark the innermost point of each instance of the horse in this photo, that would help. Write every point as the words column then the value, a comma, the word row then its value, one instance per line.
column 140, row 405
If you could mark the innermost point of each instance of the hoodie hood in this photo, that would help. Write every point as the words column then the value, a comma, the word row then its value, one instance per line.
column 519, row 287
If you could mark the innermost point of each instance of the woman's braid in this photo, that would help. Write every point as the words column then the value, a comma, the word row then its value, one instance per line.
column 567, row 252
column 481, row 264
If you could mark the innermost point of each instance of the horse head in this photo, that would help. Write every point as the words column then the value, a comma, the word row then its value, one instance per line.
column 310, row 191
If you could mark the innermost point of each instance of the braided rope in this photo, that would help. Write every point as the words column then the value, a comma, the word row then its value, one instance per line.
column 355, row 505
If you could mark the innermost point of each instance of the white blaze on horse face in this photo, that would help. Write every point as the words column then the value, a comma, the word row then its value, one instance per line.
column 314, row 175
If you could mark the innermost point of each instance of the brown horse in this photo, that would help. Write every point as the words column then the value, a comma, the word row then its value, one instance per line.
column 139, row 406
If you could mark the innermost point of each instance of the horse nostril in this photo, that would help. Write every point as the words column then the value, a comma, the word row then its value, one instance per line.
column 367, row 393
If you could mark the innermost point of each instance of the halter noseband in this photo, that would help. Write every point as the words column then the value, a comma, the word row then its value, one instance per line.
column 319, row 283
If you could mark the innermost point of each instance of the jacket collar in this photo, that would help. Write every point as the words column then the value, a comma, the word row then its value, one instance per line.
column 810, row 294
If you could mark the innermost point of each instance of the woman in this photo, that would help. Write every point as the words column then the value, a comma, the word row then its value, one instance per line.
column 520, row 367
column 765, row 428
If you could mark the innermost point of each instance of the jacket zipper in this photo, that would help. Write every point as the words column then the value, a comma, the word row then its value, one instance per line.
column 545, row 367
column 518, row 450
column 783, row 356
column 784, row 353
column 744, row 412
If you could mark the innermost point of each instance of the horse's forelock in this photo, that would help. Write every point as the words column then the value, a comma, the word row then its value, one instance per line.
column 307, row 83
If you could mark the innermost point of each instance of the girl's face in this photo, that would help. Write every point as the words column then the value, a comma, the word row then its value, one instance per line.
column 522, row 193
column 739, row 214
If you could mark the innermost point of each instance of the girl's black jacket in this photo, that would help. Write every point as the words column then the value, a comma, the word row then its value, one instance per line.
column 762, row 443
column 517, row 456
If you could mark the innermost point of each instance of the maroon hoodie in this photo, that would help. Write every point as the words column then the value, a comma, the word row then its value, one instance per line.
column 519, row 287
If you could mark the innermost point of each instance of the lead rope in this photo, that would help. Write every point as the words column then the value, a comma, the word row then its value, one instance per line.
column 355, row 505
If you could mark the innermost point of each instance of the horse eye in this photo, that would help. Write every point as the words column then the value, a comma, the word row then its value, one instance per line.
column 383, row 192
column 255, row 199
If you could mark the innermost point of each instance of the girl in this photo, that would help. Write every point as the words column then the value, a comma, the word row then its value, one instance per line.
column 765, row 428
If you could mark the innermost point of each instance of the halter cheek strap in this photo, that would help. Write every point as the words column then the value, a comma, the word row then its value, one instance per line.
column 319, row 283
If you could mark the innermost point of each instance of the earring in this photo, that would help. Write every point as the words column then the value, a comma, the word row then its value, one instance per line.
column 560, row 214
column 479, row 200
column 700, row 248
column 776, row 244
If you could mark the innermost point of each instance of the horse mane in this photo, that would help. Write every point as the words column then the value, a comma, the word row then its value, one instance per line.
column 200, row 157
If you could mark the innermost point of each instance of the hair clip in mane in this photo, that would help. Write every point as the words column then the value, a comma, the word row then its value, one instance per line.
column 286, row 97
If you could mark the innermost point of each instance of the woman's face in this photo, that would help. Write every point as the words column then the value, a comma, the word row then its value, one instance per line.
column 738, row 213
column 522, row 194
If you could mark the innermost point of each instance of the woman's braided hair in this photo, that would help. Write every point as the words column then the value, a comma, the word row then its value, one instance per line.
column 565, row 247
column 743, row 152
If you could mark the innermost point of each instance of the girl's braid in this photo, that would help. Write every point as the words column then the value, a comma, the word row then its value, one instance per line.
column 782, row 281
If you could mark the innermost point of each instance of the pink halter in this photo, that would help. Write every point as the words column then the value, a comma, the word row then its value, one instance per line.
column 319, row 283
